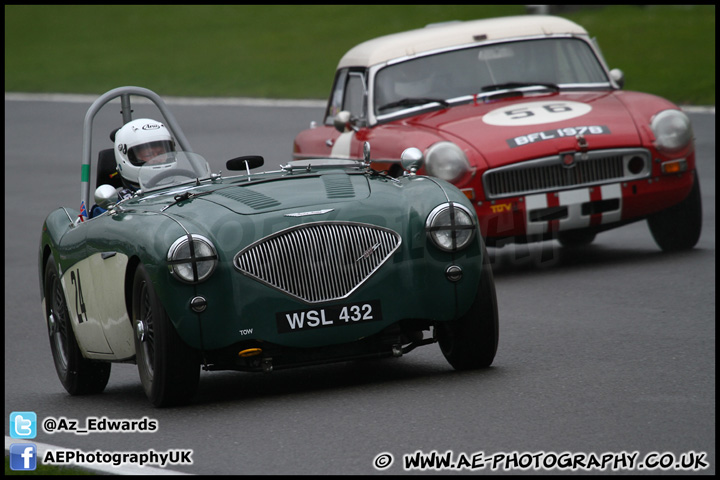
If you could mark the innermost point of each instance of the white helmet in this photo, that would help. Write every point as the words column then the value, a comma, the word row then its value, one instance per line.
column 136, row 143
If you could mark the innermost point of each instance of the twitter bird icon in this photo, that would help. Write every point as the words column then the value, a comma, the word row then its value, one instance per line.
column 23, row 425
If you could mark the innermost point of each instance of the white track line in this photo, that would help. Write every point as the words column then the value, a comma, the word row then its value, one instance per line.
column 230, row 101
column 242, row 102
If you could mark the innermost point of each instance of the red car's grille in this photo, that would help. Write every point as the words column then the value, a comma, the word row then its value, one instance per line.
column 319, row 262
column 565, row 171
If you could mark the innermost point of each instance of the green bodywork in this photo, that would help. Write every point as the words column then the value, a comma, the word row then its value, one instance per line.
column 235, row 212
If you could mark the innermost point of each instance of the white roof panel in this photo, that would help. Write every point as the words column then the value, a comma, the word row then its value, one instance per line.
column 388, row 47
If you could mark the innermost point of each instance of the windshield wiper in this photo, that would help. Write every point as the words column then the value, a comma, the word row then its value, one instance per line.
column 411, row 102
column 513, row 85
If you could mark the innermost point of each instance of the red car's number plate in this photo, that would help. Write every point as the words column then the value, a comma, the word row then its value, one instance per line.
column 334, row 316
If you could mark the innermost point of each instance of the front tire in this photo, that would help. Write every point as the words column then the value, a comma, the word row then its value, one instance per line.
column 79, row 375
column 169, row 369
column 471, row 341
column 678, row 227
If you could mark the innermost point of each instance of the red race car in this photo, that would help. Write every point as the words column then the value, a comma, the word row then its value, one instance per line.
column 523, row 115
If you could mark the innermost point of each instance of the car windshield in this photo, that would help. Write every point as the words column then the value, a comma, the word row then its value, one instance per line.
column 546, row 63
column 171, row 169
column 324, row 163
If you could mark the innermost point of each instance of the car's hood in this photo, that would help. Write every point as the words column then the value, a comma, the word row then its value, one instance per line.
column 515, row 129
column 236, row 212
column 282, row 193
column 261, row 193
column 268, row 200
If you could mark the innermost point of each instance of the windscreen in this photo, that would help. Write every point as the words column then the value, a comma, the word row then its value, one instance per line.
column 172, row 168
column 560, row 61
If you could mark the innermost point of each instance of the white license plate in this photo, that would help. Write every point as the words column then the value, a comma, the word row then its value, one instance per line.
column 334, row 316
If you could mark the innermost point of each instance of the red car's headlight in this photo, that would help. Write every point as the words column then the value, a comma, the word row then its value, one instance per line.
column 446, row 161
column 672, row 130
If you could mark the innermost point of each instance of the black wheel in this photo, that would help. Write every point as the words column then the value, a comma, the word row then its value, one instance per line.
column 79, row 375
column 576, row 238
column 471, row 341
column 169, row 369
column 678, row 227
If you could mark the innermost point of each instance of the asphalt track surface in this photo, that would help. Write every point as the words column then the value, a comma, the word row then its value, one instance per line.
column 609, row 349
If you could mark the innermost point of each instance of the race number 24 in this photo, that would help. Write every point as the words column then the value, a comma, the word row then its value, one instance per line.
column 79, row 301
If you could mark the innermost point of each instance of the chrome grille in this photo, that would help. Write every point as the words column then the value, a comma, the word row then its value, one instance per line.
column 319, row 262
column 549, row 173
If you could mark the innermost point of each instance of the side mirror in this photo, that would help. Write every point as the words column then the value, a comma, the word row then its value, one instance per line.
column 366, row 152
column 246, row 162
column 342, row 121
column 619, row 77
column 411, row 160
column 105, row 195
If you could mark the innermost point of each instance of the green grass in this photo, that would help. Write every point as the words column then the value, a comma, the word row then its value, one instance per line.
column 292, row 51
column 665, row 50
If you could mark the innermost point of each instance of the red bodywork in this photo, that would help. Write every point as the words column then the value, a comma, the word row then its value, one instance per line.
column 525, row 128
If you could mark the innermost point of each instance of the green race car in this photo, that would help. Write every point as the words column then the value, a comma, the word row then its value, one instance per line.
column 321, row 261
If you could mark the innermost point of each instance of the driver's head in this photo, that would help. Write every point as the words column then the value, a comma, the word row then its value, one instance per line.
column 141, row 142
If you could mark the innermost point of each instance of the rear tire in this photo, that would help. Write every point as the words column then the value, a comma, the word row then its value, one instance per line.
column 169, row 369
column 79, row 375
column 471, row 341
column 678, row 227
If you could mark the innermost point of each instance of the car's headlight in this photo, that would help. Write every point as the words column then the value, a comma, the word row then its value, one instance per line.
column 192, row 262
column 672, row 130
column 451, row 227
column 446, row 161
